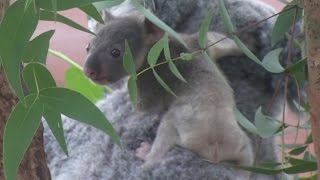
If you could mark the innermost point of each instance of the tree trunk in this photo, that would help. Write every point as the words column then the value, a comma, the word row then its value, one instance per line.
column 312, row 31
column 34, row 163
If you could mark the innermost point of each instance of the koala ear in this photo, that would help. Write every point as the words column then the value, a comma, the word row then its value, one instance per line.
column 152, row 29
column 107, row 16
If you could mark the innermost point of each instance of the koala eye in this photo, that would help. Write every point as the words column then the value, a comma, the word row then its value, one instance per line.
column 88, row 47
column 115, row 53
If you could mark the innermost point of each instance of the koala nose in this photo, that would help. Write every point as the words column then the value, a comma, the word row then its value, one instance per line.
column 90, row 73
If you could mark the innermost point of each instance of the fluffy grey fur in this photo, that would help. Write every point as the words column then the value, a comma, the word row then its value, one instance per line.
column 94, row 157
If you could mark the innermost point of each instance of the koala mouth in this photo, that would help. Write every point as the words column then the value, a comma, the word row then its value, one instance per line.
column 100, row 80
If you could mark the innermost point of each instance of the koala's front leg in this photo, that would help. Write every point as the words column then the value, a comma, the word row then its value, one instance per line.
column 167, row 137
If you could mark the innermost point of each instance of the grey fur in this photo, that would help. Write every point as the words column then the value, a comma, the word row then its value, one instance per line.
column 94, row 157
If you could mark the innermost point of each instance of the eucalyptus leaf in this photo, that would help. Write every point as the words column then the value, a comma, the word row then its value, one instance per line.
column 298, row 150
column 301, row 168
column 155, row 52
column 284, row 22
column 77, row 81
column 154, row 19
column 37, row 49
column 76, row 106
column 271, row 61
column 297, row 70
column 20, row 129
column 244, row 122
column 204, row 28
column 55, row 124
column 266, row 126
column 51, row 16
column 64, row 5
column 162, row 83
column 246, row 50
column 260, row 170
column 16, row 30
column 226, row 18
column 37, row 77
column 128, row 62
column 91, row 10
column 171, row 64
column 133, row 90
column 309, row 157
column 186, row 56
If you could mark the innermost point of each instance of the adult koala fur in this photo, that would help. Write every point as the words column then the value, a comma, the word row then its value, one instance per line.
column 92, row 156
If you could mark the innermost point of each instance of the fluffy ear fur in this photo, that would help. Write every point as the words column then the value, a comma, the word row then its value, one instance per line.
column 107, row 16
column 152, row 29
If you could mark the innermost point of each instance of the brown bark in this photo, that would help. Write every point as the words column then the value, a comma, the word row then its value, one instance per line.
column 312, row 31
column 34, row 164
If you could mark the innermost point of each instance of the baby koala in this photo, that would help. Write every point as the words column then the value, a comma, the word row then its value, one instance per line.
column 201, row 118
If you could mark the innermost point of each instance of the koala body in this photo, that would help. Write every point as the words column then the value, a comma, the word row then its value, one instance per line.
column 201, row 117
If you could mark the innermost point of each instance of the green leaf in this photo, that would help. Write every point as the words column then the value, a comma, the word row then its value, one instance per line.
column 50, row 16
column 55, row 124
column 309, row 139
column 266, row 126
column 77, row 81
column 309, row 157
column 106, row 4
column 162, row 83
column 204, row 28
column 133, row 90
column 76, row 106
column 167, row 56
column 226, row 18
column 297, row 70
column 19, row 131
column 16, row 30
column 186, row 56
column 128, row 63
column 271, row 61
column 246, row 50
column 301, row 168
column 64, row 5
column 65, row 58
column 91, row 10
column 154, row 19
column 298, row 151
column 37, row 49
column 260, row 170
column 155, row 52
column 37, row 77
column 244, row 122
column 283, row 23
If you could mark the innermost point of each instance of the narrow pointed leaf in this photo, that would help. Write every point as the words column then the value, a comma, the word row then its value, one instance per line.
column 297, row 70
column 167, row 56
column 154, row 19
column 77, row 81
column 55, row 124
column 64, row 5
column 37, row 49
column 186, row 56
column 76, row 106
column 155, row 52
column 284, row 23
column 204, row 28
column 16, row 30
column 298, row 151
column 128, row 62
column 133, row 90
column 106, row 4
column 246, row 50
column 37, row 77
column 50, row 16
column 226, row 18
column 266, row 126
column 245, row 123
column 260, row 170
column 91, row 10
column 19, row 131
column 301, row 168
column 271, row 61
column 162, row 83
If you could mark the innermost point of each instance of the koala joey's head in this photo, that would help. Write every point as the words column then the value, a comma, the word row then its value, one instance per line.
column 105, row 51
